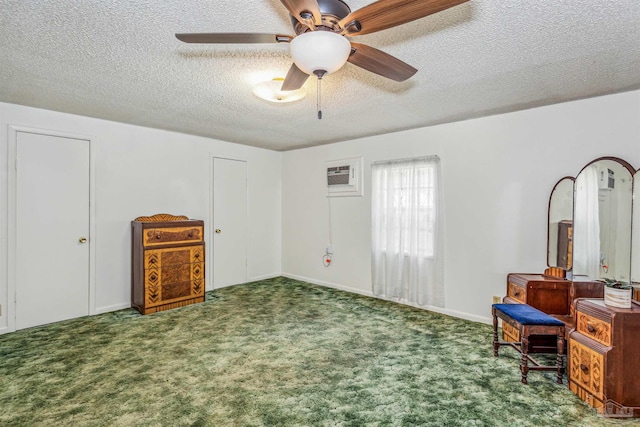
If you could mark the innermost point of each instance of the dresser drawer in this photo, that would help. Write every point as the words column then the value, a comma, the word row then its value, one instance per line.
column 174, row 273
column 587, row 368
column 172, row 235
column 158, row 258
column 159, row 294
column 596, row 329
column 517, row 292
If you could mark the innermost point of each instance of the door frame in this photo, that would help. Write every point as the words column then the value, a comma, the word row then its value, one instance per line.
column 12, row 207
column 210, row 254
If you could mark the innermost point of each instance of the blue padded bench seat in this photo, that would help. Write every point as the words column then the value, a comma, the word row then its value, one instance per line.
column 527, row 315
column 525, row 324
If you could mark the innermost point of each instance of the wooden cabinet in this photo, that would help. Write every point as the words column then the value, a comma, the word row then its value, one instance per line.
column 168, row 262
column 603, row 362
column 548, row 294
column 565, row 245
column 551, row 295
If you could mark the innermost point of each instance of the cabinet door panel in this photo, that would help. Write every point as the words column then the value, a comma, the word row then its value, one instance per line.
column 586, row 368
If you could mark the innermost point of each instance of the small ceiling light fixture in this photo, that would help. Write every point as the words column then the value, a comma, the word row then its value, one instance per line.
column 271, row 91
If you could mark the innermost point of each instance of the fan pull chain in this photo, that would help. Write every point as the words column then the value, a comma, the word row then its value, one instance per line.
column 319, row 74
column 319, row 100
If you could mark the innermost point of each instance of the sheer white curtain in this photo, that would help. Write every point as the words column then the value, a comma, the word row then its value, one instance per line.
column 407, row 244
column 586, row 228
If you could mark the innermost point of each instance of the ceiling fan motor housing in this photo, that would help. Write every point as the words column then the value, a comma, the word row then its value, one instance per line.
column 332, row 12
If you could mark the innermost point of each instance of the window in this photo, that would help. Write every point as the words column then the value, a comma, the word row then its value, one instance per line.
column 405, row 203
column 407, row 262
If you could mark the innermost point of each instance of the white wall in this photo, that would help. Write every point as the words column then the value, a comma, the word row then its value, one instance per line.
column 498, row 173
column 141, row 171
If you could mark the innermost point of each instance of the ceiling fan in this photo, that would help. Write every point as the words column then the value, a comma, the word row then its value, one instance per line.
column 321, row 46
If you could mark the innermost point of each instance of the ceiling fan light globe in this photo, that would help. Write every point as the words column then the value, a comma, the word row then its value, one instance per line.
column 320, row 50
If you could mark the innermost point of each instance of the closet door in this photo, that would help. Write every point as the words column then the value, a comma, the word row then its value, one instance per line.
column 52, row 228
column 229, row 230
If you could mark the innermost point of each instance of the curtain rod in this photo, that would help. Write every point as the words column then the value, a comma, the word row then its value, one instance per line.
column 433, row 157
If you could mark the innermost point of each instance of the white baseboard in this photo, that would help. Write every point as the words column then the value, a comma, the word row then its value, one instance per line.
column 461, row 315
column 264, row 277
column 328, row 284
column 446, row 311
column 115, row 307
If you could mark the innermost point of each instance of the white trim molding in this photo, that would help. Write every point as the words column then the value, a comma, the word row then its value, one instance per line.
column 445, row 311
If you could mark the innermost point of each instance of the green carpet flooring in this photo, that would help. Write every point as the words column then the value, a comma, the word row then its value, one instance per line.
column 277, row 352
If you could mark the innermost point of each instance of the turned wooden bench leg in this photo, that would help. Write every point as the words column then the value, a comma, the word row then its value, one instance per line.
column 559, row 358
column 496, row 346
column 524, row 361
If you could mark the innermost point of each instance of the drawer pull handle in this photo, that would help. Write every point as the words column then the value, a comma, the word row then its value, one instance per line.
column 197, row 255
column 152, row 261
column 516, row 293
column 591, row 328
column 158, row 236
column 584, row 368
column 191, row 234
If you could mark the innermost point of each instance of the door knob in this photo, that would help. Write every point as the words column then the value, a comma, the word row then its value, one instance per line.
column 218, row 230
column 82, row 240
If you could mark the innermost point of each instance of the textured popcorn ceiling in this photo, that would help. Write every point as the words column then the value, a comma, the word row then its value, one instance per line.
column 120, row 61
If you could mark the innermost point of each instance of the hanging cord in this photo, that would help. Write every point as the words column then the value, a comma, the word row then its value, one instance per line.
column 326, row 258
column 318, row 100
column 320, row 74
column 329, row 208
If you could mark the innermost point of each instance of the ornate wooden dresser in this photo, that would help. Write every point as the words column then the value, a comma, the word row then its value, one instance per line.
column 168, row 262
column 549, row 294
column 603, row 362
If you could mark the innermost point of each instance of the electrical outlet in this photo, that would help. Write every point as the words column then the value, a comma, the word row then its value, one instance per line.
column 497, row 299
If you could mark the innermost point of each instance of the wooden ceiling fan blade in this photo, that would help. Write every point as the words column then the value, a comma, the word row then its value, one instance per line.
column 379, row 62
column 307, row 12
column 233, row 38
column 384, row 14
column 295, row 78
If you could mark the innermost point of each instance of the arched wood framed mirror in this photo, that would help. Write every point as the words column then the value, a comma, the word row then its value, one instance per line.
column 635, row 236
column 560, row 229
column 602, row 220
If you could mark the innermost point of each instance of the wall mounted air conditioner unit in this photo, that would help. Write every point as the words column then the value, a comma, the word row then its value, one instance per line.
column 344, row 177
column 606, row 180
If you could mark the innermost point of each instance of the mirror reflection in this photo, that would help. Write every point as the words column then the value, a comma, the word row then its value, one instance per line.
column 635, row 237
column 602, row 221
column 560, row 239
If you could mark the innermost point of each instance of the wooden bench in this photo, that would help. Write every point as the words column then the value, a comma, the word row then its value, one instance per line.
column 525, row 322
